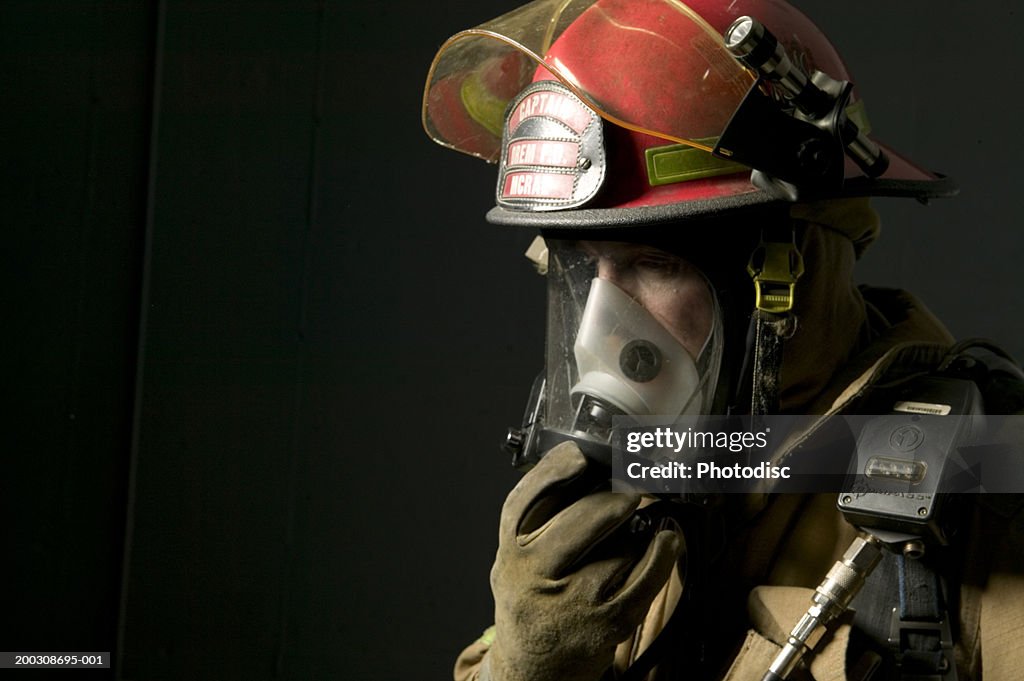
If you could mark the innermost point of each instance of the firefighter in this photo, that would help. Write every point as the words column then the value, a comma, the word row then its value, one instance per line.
column 700, row 174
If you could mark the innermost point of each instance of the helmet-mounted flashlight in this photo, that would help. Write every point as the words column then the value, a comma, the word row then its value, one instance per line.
column 755, row 46
column 818, row 100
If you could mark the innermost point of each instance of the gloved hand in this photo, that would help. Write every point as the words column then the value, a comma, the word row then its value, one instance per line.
column 569, row 581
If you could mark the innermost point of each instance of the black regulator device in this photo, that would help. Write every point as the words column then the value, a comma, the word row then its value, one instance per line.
column 591, row 430
column 908, row 465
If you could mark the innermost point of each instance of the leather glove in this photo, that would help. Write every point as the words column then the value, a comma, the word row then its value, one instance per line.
column 569, row 581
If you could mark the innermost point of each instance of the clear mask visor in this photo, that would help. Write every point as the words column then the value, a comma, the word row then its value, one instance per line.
column 631, row 330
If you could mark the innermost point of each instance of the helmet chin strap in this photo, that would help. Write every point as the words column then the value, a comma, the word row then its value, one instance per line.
column 775, row 265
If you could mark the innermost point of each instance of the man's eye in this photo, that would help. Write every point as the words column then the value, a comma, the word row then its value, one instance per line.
column 665, row 266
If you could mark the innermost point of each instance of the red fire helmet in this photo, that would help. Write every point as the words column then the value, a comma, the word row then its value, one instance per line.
column 607, row 111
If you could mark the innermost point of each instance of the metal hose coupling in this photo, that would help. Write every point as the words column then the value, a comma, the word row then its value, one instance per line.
column 830, row 600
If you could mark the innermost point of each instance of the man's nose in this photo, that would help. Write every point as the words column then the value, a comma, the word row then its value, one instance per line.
column 608, row 270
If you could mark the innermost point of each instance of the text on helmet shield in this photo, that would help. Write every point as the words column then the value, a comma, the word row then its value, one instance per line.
column 544, row 153
column 538, row 185
column 562, row 107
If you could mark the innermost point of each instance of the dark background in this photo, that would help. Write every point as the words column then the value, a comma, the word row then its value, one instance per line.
column 260, row 344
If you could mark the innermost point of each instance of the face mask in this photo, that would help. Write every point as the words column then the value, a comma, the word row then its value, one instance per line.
column 629, row 361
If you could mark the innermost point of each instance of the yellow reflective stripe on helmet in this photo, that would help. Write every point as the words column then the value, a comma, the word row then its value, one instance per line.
column 482, row 106
column 487, row 638
column 681, row 163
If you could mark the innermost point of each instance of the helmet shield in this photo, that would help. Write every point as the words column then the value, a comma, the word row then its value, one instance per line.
column 652, row 66
column 632, row 330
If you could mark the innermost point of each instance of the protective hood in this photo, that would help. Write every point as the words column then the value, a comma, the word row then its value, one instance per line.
column 835, row 324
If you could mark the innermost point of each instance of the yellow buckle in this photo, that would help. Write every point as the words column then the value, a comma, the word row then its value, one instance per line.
column 775, row 266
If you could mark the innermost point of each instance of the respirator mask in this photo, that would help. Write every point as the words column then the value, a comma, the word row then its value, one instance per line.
column 632, row 330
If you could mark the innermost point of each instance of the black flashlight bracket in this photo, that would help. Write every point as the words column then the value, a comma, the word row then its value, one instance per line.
column 794, row 130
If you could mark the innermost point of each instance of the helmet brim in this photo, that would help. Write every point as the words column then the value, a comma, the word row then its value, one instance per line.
column 722, row 195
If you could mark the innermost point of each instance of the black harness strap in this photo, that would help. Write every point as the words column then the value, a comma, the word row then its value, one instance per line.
column 920, row 633
column 902, row 608
column 770, row 332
